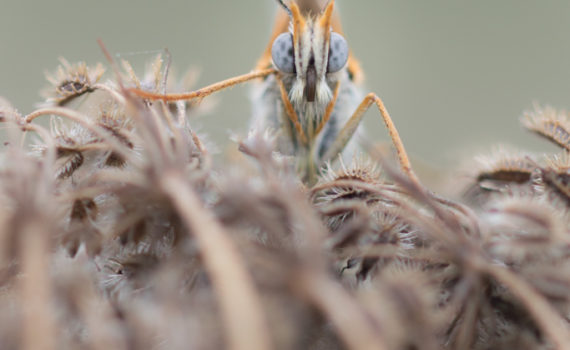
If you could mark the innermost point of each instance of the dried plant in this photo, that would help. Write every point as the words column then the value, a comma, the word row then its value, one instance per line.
column 71, row 81
column 119, row 230
column 550, row 124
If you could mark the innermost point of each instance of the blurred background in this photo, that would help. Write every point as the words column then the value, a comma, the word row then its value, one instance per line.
column 456, row 76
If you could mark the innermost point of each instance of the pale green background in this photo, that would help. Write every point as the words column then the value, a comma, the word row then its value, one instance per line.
column 455, row 75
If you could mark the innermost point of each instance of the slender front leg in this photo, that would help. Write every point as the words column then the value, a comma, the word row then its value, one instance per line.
column 349, row 128
column 329, row 109
column 208, row 90
column 293, row 117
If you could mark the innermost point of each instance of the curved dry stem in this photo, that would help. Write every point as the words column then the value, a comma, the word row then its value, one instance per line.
column 84, row 192
column 422, row 195
column 388, row 252
column 113, row 176
column 547, row 319
column 43, row 133
column 39, row 326
column 166, row 70
column 47, row 170
column 336, row 208
column 171, row 120
column 81, row 120
column 437, row 229
column 114, row 93
column 112, row 63
column 379, row 189
column 239, row 300
column 50, row 157
column 152, row 129
column 99, row 317
column 91, row 147
column 352, row 324
column 466, row 211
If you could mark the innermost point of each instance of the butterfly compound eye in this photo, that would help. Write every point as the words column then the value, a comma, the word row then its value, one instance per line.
column 282, row 53
column 338, row 53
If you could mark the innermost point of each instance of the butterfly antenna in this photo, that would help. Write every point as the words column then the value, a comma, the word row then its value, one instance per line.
column 285, row 7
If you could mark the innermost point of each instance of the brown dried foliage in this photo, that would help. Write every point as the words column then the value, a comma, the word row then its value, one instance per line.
column 118, row 230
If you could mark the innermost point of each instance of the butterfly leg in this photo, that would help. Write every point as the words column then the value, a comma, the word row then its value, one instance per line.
column 208, row 90
column 351, row 125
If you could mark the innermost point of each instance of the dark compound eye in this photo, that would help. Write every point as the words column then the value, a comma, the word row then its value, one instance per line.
column 338, row 53
column 282, row 53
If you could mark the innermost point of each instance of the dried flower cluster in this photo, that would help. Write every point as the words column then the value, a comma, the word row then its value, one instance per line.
column 119, row 231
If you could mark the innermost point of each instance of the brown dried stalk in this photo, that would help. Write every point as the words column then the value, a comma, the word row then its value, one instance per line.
column 39, row 327
column 550, row 124
column 549, row 321
column 348, row 317
column 239, row 300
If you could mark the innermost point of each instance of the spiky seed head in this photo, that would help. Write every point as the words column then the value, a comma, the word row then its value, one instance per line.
column 504, row 170
column 551, row 124
column 70, row 81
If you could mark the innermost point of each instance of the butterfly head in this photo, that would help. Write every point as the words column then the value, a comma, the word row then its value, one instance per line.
column 310, row 51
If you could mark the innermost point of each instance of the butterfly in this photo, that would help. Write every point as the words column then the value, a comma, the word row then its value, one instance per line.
column 307, row 89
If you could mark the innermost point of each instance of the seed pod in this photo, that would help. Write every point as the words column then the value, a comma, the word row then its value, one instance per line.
column 71, row 81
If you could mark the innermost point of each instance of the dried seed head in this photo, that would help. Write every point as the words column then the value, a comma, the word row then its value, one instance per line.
column 156, row 79
column 551, row 124
column 261, row 145
column 559, row 163
column 118, row 124
column 505, row 167
column 552, row 280
column 70, row 141
column 521, row 230
column 503, row 171
column 131, row 75
column 554, row 184
column 114, row 117
column 361, row 170
column 360, row 220
column 81, row 229
column 70, row 81
column 427, row 263
column 153, row 76
column 68, row 161
column 76, row 146
column 402, row 300
column 83, row 210
column 8, row 113
column 338, row 202
column 350, row 198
